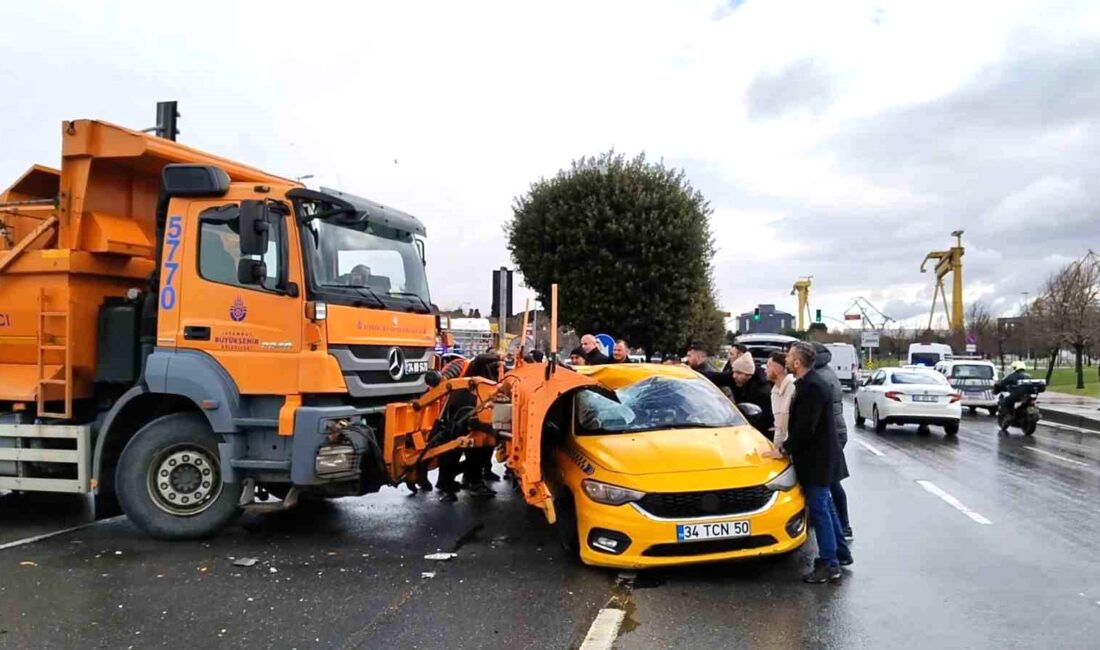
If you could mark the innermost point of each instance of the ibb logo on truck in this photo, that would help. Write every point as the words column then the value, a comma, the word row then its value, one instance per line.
column 171, row 245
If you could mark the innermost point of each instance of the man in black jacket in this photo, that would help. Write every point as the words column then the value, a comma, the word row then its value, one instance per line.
column 822, row 367
column 818, row 461
column 592, row 354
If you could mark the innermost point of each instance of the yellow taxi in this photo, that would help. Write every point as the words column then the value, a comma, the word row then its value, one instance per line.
column 656, row 467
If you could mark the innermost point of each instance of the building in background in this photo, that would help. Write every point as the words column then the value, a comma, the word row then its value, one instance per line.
column 765, row 319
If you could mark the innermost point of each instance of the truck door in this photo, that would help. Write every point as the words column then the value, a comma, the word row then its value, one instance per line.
column 252, row 327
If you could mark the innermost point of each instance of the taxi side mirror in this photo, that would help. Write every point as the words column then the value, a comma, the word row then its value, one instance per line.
column 752, row 413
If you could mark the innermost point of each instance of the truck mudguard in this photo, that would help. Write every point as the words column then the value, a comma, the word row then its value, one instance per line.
column 196, row 375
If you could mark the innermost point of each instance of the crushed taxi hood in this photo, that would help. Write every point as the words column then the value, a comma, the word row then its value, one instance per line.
column 676, row 450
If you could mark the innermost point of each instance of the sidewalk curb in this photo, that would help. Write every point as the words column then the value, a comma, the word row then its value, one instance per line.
column 1071, row 419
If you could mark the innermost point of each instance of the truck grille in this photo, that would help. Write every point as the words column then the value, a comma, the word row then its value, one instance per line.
column 380, row 351
column 681, row 505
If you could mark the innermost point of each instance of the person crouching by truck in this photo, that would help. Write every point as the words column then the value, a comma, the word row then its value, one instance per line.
column 458, row 415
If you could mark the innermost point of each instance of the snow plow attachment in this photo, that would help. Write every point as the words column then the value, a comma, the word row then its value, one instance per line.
column 511, row 413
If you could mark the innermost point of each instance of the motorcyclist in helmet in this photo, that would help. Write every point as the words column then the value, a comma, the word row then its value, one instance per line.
column 1009, row 385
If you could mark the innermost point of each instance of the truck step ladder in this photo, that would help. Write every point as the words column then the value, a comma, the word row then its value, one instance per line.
column 48, row 342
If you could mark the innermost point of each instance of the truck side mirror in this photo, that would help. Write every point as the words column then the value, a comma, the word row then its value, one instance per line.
column 255, row 227
column 250, row 271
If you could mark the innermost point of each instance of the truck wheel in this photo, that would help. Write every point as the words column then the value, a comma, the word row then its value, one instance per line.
column 951, row 428
column 169, row 479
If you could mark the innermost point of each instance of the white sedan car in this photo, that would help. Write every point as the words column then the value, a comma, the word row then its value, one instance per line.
column 908, row 396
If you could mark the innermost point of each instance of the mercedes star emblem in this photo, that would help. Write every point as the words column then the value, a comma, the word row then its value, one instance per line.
column 395, row 359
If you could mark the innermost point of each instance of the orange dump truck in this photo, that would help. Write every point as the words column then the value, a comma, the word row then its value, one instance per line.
column 183, row 335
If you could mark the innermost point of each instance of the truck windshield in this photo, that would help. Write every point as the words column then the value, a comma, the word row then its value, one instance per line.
column 379, row 262
column 656, row 403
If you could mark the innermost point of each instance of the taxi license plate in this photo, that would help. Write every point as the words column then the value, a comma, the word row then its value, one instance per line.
column 714, row 530
column 925, row 398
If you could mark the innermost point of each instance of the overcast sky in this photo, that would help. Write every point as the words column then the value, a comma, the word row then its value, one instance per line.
column 839, row 139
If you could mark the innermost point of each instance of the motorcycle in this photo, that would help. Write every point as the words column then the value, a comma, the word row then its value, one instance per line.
column 1024, row 414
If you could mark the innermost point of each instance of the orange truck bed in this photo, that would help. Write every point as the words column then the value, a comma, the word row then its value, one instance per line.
column 70, row 238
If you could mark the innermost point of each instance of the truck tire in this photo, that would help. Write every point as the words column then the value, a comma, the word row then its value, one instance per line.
column 169, row 480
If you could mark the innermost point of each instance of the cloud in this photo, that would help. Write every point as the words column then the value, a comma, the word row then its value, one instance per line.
column 845, row 144
column 1050, row 199
column 804, row 85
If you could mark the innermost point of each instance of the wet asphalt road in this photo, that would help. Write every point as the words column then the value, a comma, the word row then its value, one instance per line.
column 348, row 574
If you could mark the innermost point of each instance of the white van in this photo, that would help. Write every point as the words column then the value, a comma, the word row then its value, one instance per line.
column 929, row 354
column 844, row 363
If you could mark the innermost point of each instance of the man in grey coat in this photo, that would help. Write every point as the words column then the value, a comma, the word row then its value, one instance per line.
column 822, row 368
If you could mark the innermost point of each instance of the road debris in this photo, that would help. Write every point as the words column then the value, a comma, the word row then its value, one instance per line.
column 28, row 563
column 427, row 575
column 245, row 561
column 440, row 557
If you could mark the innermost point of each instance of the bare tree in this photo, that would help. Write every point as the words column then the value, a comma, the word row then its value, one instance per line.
column 981, row 325
column 1068, row 309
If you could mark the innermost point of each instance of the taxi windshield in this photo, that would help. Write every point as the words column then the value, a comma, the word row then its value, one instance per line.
column 656, row 403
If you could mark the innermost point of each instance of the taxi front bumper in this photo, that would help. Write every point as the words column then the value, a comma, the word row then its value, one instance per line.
column 627, row 536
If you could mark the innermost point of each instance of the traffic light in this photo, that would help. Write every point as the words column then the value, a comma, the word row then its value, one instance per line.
column 817, row 314
column 498, row 275
column 756, row 314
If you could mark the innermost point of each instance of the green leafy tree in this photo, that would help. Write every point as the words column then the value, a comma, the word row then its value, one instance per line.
column 628, row 243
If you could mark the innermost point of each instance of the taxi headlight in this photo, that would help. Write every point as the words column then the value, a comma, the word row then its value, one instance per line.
column 785, row 481
column 611, row 495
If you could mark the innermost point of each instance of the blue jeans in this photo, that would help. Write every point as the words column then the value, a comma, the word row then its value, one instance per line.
column 830, row 535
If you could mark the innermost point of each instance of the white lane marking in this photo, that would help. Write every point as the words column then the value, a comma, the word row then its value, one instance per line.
column 39, row 538
column 870, row 448
column 1061, row 458
column 604, row 630
column 953, row 502
column 1067, row 427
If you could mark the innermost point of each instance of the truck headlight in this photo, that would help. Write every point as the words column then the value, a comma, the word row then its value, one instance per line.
column 611, row 495
column 785, row 481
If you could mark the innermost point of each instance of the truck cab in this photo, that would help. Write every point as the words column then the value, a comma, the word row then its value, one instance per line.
column 196, row 335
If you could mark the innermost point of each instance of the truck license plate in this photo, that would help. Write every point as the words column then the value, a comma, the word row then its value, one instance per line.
column 715, row 530
column 416, row 367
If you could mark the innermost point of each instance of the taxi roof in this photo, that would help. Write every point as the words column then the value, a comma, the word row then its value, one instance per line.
column 617, row 375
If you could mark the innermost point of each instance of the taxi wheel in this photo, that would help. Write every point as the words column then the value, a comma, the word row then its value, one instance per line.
column 566, row 526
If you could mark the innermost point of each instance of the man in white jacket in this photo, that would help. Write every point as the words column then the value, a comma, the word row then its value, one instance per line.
column 782, row 393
